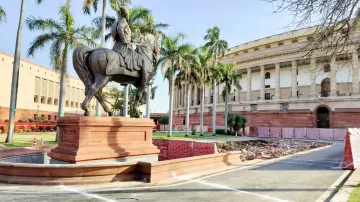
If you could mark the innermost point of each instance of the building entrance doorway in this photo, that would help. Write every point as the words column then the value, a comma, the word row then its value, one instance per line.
column 325, row 87
column 323, row 117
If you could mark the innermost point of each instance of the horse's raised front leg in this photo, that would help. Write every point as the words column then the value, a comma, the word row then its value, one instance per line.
column 100, row 82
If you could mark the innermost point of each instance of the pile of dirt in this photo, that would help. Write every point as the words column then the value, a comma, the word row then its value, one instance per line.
column 263, row 149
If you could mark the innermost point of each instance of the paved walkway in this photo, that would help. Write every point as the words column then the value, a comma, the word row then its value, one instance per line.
column 302, row 177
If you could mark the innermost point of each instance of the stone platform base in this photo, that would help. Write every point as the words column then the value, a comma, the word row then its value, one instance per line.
column 145, row 158
column 85, row 139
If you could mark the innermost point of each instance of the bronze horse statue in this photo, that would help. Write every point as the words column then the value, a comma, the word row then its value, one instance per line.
column 97, row 67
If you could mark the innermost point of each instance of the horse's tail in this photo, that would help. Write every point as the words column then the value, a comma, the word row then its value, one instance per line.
column 80, row 56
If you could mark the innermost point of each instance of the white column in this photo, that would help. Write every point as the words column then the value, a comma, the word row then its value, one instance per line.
column 126, row 96
column 262, row 82
column 333, row 69
column 294, row 79
column 148, row 100
column 195, row 96
column 190, row 94
column 355, row 73
column 249, row 84
column 313, row 77
column 277, row 81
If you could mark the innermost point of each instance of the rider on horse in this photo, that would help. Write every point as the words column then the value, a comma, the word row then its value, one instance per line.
column 121, row 34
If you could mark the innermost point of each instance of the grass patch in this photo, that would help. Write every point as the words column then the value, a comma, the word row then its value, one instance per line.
column 355, row 195
column 175, row 135
column 26, row 139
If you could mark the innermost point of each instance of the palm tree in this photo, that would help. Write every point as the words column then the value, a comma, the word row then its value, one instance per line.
column 15, row 75
column 2, row 15
column 140, row 22
column 63, row 36
column 230, row 77
column 189, row 74
column 206, row 61
column 217, row 47
column 170, row 60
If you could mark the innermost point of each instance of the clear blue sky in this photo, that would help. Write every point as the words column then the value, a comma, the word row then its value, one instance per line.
column 240, row 21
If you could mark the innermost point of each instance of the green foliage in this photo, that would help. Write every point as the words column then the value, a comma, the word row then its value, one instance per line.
column 230, row 76
column 189, row 70
column 2, row 15
column 55, row 127
column 114, row 4
column 140, row 22
column 236, row 122
column 41, row 128
column 115, row 97
column 33, row 127
column 214, row 44
column 220, row 131
column 164, row 120
column 16, row 128
column 24, row 128
column 20, row 121
column 61, row 34
column 4, row 128
column 48, row 128
column 172, row 51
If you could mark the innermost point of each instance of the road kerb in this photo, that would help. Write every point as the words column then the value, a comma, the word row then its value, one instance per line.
column 345, row 191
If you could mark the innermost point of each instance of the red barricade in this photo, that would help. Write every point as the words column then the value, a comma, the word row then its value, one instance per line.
column 174, row 149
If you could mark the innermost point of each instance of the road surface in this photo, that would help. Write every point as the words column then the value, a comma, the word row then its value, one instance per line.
column 303, row 177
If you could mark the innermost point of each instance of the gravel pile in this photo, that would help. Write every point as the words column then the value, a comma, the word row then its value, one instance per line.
column 263, row 149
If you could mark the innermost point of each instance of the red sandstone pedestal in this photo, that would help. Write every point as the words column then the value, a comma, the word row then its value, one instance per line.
column 100, row 138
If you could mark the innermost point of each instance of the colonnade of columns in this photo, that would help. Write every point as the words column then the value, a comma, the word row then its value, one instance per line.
column 313, row 71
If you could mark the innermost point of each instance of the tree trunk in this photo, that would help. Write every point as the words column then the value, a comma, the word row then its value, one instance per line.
column 15, row 76
column 62, row 86
column 202, row 112
column 126, row 101
column 187, row 110
column 214, row 104
column 103, row 28
column 148, row 99
column 226, row 112
column 171, row 84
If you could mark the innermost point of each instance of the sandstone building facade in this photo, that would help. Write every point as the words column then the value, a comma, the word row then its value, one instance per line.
column 282, row 88
column 38, row 91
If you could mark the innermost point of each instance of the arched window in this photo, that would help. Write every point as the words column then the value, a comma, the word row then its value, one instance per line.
column 267, row 75
column 327, row 68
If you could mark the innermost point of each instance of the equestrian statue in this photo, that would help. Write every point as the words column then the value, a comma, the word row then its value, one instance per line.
column 97, row 67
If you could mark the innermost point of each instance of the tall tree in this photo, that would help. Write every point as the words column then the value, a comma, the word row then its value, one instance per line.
column 206, row 62
column 170, row 60
column 2, row 15
column 217, row 47
column 230, row 76
column 334, row 23
column 62, row 36
column 15, row 76
column 189, row 74
column 94, row 3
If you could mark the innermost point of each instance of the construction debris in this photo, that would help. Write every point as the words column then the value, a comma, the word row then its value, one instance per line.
column 267, row 149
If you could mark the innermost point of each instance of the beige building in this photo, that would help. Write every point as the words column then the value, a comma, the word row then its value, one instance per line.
column 38, row 91
column 281, row 87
